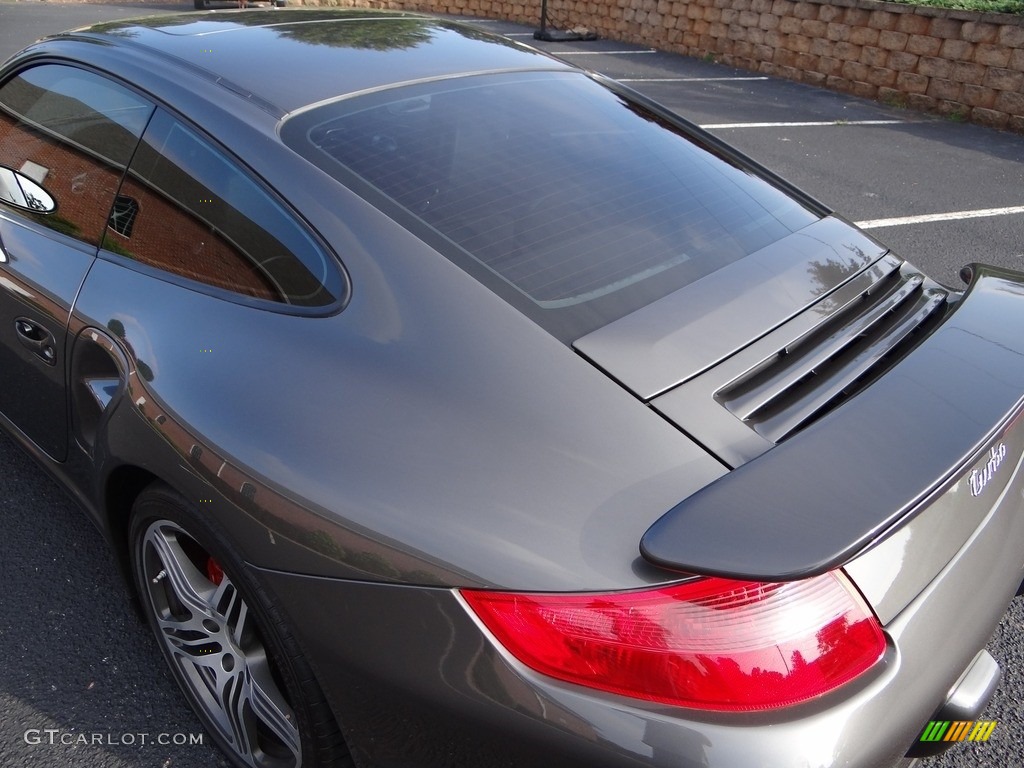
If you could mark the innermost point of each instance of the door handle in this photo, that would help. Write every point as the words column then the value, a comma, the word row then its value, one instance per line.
column 37, row 339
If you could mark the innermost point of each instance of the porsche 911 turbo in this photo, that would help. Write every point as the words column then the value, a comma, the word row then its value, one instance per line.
column 445, row 404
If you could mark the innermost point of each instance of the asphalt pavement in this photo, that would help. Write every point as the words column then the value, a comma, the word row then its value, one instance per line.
column 82, row 682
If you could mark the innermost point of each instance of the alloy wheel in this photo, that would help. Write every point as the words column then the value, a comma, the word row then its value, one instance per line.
column 215, row 647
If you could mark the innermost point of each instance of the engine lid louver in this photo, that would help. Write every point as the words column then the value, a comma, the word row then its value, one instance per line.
column 843, row 353
column 809, row 365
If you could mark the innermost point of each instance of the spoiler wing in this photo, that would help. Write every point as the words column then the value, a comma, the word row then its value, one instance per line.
column 818, row 499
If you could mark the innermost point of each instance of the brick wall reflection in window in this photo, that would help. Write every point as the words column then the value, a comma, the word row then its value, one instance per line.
column 77, row 130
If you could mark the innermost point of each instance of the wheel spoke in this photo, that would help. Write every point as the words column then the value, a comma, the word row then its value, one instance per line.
column 233, row 698
column 233, row 608
column 202, row 674
column 190, row 586
column 239, row 624
column 270, row 708
column 253, row 704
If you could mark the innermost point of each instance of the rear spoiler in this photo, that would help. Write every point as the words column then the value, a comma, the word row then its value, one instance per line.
column 815, row 501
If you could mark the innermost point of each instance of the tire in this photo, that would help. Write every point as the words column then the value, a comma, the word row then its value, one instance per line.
column 199, row 5
column 226, row 644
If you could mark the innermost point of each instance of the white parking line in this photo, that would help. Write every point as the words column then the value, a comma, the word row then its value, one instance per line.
column 927, row 218
column 683, row 79
column 721, row 126
column 600, row 53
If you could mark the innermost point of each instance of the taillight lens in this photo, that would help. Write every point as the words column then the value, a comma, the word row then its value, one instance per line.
column 709, row 644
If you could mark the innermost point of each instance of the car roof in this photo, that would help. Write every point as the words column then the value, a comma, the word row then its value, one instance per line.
column 291, row 59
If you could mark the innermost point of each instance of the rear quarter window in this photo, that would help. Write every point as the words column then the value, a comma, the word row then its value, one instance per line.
column 188, row 209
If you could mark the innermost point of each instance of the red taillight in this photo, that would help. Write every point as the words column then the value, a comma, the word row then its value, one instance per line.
column 708, row 644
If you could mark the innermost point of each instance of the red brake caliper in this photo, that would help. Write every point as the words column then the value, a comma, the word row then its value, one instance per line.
column 213, row 571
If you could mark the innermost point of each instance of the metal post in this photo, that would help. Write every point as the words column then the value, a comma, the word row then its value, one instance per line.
column 554, row 35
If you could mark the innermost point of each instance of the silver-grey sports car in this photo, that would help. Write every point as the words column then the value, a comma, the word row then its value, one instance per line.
column 447, row 405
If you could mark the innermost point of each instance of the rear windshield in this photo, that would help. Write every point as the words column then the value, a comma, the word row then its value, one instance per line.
column 574, row 203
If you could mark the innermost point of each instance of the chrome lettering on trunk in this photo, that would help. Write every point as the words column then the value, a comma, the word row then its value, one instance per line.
column 980, row 478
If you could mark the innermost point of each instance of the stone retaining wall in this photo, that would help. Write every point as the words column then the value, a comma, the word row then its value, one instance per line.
column 957, row 63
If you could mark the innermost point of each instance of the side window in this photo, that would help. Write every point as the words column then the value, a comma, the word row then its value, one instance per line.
column 68, row 135
column 188, row 209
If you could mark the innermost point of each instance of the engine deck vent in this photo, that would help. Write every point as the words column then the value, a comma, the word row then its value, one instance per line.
column 813, row 374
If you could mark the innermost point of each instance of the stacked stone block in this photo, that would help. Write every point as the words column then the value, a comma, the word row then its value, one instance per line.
column 957, row 63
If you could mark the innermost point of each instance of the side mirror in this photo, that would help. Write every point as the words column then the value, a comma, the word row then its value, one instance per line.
column 18, row 190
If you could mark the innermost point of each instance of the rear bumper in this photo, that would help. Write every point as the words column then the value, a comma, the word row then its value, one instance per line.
column 966, row 701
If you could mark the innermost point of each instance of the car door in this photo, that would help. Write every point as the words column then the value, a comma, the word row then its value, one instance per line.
column 66, row 137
